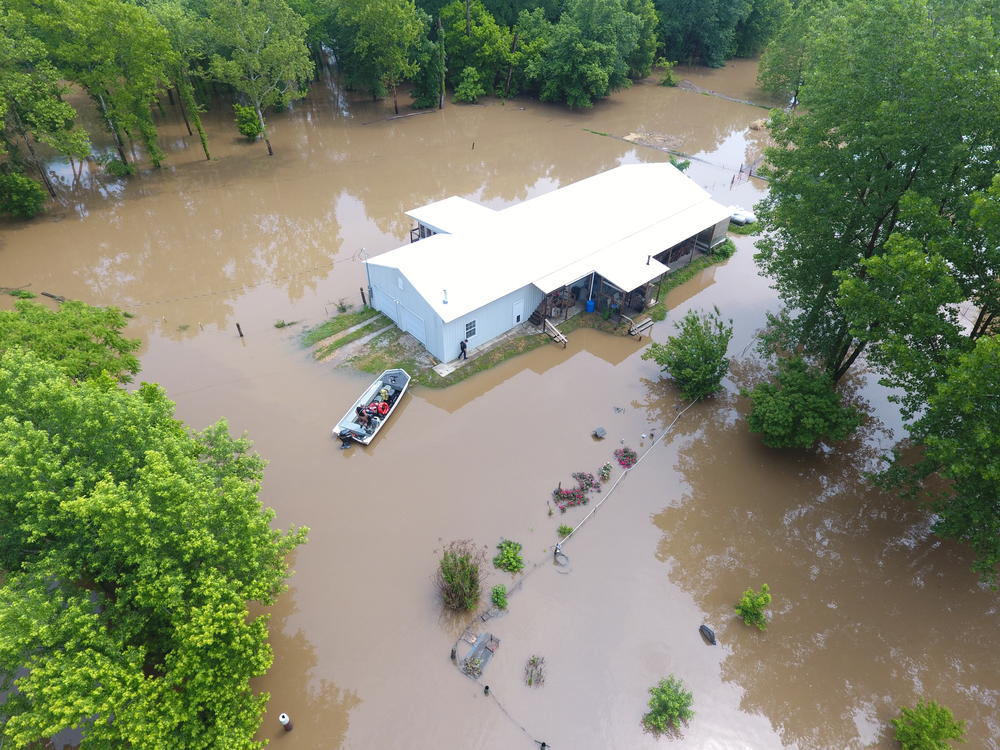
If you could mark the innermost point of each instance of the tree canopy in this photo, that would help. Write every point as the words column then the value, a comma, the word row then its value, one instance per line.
column 696, row 356
column 129, row 550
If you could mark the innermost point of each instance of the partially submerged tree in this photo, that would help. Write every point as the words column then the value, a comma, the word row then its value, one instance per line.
column 696, row 357
column 81, row 340
column 752, row 607
column 125, row 579
column 927, row 726
column 669, row 706
column 460, row 576
column 800, row 408
column 264, row 56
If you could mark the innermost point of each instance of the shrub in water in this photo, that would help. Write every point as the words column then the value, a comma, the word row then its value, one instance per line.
column 565, row 530
column 247, row 121
column 459, row 576
column 498, row 595
column 752, row 605
column 509, row 557
column 20, row 196
column 669, row 705
column 928, row 726
column 469, row 88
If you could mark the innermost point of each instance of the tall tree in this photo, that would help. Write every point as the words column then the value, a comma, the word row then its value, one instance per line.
column 587, row 57
column 758, row 26
column 879, row 75
column 264, row 55
column 640, row 60
column 474, row 39
column 119, row 53
column 381, row 37
column 31, row 106
column 783, row 64
column 129, row 550
column 701, row 31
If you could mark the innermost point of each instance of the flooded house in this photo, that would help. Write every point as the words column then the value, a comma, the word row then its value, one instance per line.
column 603, row 243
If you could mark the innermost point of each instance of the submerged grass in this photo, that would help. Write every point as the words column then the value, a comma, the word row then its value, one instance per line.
column 337, row 324
column 325, row 351
column 753, row 228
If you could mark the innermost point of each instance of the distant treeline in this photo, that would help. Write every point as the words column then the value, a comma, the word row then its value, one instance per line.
column 129, row 55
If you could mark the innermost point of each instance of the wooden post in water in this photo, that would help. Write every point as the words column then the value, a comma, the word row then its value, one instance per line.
column 239, row 330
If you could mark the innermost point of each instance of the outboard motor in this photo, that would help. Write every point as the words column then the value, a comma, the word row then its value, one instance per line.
column 345, row 438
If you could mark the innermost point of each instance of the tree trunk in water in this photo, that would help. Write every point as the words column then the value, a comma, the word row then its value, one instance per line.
column 159, row 106
column 46, row 180
column 185, row 93
column 510, row 70
column 112, row 128
column 441, row 41
column 395, row 104
column 170, row 98
column 183, row 109
column 263, row 129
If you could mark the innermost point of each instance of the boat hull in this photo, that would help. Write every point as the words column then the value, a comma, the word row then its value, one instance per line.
column 379, row 400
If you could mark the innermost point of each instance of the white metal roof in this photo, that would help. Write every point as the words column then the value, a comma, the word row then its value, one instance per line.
column 607, row 223
column 453, row 215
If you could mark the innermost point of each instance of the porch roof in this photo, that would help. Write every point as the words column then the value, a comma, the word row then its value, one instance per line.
column 452, row 215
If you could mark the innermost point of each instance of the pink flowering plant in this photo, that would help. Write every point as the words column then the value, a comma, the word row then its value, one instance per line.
column 585, row 482
column 626, row 457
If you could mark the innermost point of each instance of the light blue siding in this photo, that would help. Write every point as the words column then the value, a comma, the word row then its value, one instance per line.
column 491, row 320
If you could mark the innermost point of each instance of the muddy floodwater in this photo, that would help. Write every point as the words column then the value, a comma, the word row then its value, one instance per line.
column 870, row 612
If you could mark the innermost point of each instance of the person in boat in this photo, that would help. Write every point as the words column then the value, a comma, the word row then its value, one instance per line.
column 362, row 417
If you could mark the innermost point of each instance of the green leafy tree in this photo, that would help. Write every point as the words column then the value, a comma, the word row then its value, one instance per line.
column 532, row 36
column 588, row 55
column 669, row 705
column 427, row 90
column 125, row 579
column 81, row 340
column 247, row 121
column 31, row 111
column 878, row 75
column 927, row 726
column 961, row 445
column 20, row 196
column 264, row 55
column 469, row 88
column 473, row 39
column 783, row 65
column 759, row 26
column 378, row 41
column 800, row 408
column 752, row 607
column 696, row 357
column 640, row 59
column 701, row 31
column 120, row 54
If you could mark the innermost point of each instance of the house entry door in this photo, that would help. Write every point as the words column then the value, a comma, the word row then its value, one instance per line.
column 518, row 310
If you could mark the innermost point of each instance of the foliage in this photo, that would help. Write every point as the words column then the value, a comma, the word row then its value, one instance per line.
column 426, row 90
column 751, row 228
column 709, row 31
column 20, row 196
column 247, row 121
column 626, row 457
column 658, row 313
column 961, row 444
column 263, row 52
column 377, row 41
column 605, row 472
column 696, row 356
column 281, row 323
column 666, row 68
column 509, row 558
column 640, row 58
column 588, row 55
column 564, row 530
column 473, row 666
column 586, row 481
column 127, row 575
column 725, row 249
column 756, row 29
column 82, row 341
column 534, row 671
column 21, row 293
column 459, row 575
column 337, row 324
column 927, row 726
column 783, row 65
column 669, row 705
column 569, row 498
column 469, row 87
column 681, row 164
column 800, row 408
column 878, row 73
column 498, row 595
column 752, row 605
column 473, row 39
column 118, row 167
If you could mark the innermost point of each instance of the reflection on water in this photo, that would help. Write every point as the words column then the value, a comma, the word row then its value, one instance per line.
column 870, row 611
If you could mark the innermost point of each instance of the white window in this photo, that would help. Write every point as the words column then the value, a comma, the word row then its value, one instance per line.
column 470, row 329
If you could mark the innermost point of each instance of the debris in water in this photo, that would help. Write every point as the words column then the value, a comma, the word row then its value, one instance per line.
column 708, row 634
column 599, row 433
column 619, row 410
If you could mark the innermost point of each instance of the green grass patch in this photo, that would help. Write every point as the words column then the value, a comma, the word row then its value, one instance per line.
column 744, row 228
column 21, row 293
column 380, row 322
column 336, row 324
column 595, row 132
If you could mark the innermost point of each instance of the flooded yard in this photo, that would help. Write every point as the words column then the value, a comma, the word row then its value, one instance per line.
column 870, row 612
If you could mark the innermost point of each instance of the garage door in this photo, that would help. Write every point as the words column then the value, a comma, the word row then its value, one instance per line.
column 412, row 323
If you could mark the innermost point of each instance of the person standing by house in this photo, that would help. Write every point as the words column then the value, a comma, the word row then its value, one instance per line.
column 464, row 345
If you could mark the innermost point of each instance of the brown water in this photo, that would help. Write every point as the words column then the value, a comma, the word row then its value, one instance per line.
column 870, row 613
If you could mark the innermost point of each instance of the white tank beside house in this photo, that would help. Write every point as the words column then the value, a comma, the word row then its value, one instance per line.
column 473, row 273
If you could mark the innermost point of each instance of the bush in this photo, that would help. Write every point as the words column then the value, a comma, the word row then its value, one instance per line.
column 696, row 356
column 247, row 121
column 469, row 88
column 498, row 595
column 21, row 294
column 658, row 313
column 626, row 457
column 509, row 558
column 752, row 605
column 669, row 705
column 800, row 408
column 20, row 196
column 725, row 249
column 459, row 575
column 564, row 530
column 928, row 726
column 118, row 168
column 667, row 70
column 606, row 472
